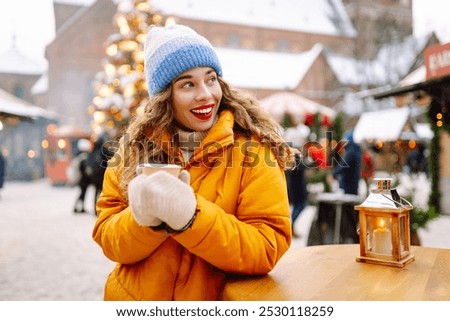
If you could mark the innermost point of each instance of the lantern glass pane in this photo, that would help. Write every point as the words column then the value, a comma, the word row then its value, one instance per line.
column 402, row 223
column 379, row 235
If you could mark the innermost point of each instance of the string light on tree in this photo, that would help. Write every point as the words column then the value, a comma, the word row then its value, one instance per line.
column 120, row 88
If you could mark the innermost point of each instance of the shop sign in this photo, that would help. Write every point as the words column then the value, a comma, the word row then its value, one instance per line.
column 437, row 61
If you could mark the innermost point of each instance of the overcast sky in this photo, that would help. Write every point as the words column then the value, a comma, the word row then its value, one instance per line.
column 32, row 23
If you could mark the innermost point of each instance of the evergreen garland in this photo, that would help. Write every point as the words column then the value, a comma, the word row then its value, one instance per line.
column 437, row 106
column 316, row 125
column 434, row 199
column 338, row 126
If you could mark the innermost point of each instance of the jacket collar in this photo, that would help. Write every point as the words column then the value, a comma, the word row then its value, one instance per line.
column 219, row 136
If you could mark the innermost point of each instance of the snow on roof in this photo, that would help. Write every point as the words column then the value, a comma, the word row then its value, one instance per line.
column 423, row 131
column 347, row 69
column 318, row 16
column 13, row 62
column 264, row 69
column 12, row 105
column 41, row 85
column 351, row 71
column 386, row 125
column 392, row 62
column 415, row 77
column 80, row 3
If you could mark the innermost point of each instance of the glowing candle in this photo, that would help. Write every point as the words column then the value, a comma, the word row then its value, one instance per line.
column 382, row 239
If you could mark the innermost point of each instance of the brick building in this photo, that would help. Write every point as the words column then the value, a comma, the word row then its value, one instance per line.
column 323, row 41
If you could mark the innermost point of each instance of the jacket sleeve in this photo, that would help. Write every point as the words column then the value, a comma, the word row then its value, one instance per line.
column 120, row 237
column 253, row 239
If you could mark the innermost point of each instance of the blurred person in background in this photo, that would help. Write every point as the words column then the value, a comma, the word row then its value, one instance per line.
column 348, row 171
column 228, row 211
column 297, row 190
column 416, row 161
column 96, row 163
column 77, row 176
column 296, row 177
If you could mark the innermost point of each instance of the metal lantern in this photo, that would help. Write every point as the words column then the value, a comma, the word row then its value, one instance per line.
column 384, row 231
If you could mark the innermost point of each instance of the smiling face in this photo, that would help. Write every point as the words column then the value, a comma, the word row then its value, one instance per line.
column 196, row 95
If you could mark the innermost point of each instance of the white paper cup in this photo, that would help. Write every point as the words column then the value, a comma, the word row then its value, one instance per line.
column 150, row 168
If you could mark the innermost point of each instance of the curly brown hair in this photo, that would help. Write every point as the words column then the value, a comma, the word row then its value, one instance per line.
column 147, row 131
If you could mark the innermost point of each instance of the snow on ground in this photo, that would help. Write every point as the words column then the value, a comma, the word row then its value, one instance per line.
column 47, row 252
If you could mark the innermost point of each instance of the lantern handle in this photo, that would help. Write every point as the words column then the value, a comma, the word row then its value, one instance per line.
column 403, row 199
column 399, row 203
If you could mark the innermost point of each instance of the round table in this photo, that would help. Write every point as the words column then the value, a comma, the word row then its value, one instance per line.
column 330, row 272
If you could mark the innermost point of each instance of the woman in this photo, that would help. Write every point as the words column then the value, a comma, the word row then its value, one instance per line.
column 172, row 240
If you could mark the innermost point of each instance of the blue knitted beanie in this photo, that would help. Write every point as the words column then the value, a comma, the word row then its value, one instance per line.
column 170, row 51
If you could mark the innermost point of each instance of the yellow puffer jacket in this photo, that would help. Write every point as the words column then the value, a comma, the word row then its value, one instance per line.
column 242, row 225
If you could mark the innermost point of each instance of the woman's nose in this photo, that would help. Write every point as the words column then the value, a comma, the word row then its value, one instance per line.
column 203, row 92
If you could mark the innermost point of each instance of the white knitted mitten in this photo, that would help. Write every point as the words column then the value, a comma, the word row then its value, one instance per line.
column 140, row 209
column 161, row 196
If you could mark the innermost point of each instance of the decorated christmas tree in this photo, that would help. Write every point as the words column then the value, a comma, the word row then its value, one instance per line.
column 120, row 88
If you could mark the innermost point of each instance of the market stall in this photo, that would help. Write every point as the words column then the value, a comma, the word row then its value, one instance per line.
column 13, row 107
column 22, row 127
column 436, row 86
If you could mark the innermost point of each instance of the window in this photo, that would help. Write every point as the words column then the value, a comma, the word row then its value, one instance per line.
column 283, row 45
column 233, row 40
column 19, row 92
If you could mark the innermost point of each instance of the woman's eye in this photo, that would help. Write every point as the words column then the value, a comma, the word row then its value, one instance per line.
column 212, row 79
column 187, row 85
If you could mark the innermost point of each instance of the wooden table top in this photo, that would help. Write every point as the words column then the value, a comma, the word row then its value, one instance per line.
column 331, row 273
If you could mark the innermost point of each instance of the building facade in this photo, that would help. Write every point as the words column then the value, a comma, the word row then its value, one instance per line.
column 77, row 52
column 379, row 22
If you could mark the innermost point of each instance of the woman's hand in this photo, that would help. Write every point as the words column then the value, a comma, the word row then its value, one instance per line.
column 161, row 197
